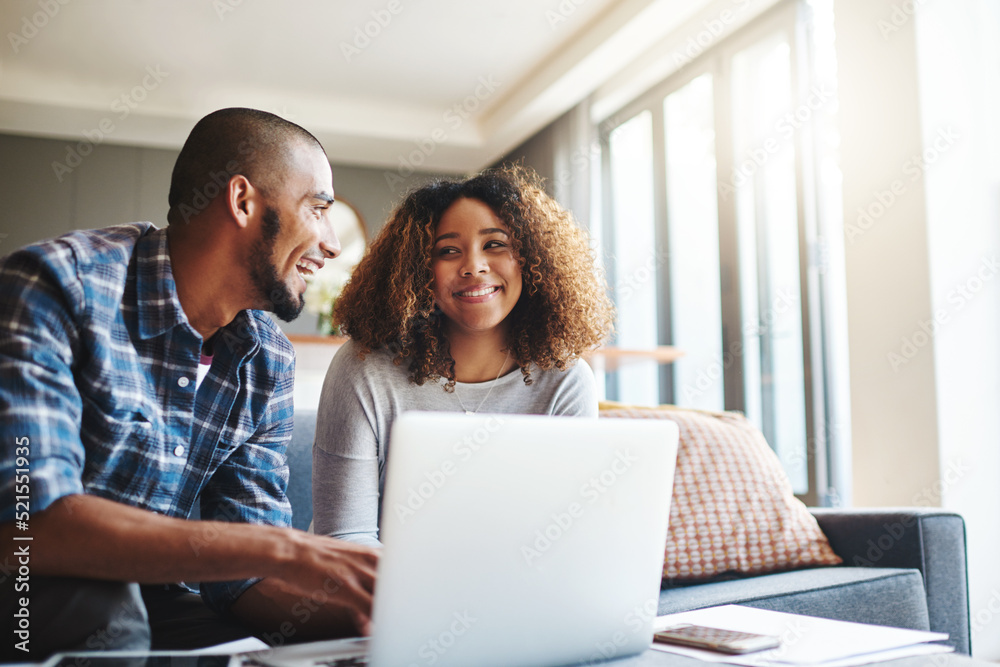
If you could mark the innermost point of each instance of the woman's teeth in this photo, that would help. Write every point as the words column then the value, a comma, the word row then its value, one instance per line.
column 480, row 292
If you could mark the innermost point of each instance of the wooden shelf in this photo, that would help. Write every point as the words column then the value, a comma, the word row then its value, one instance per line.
column 610, row 358
column 606, row 358
column 317, row 339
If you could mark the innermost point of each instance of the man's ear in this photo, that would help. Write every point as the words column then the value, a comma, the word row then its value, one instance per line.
column 241, row 199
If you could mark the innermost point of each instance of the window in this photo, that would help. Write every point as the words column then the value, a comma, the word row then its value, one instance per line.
column 713, row 237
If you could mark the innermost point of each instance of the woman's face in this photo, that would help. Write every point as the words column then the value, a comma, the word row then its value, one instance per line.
column 477, row 279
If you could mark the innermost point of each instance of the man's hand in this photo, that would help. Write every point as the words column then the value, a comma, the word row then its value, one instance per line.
column 91, row 537
column 326, row 591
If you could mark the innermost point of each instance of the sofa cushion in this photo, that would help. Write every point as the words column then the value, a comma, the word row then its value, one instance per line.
column 299, row 489
column 733, row 509
column 883, row 596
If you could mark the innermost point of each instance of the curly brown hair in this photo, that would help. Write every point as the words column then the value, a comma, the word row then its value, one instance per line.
column 563, row 311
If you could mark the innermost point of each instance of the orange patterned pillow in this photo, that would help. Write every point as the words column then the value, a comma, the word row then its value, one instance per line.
column 733, row 509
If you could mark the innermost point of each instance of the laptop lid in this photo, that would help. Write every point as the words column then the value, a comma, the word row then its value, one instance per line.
column 521, row 540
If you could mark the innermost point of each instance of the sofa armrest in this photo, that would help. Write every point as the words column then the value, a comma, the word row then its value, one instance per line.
column 925, row 539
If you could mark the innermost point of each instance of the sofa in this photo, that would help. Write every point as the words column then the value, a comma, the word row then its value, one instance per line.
column 901, row 567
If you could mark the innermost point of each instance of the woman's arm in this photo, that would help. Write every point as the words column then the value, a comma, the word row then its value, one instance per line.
column 576, row 395
column 346, row 464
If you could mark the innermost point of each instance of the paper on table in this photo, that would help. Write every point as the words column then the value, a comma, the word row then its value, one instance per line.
column 805, row 640
column 309, row 654
column 237, row 646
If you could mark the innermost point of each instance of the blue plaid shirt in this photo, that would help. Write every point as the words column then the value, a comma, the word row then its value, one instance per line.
column 99, row 367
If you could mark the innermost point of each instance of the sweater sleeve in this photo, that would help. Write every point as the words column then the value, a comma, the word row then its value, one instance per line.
column 345, row 474
column 576, row 395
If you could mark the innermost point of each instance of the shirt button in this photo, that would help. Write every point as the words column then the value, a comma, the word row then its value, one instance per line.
column 179, row 450
column 183, row 382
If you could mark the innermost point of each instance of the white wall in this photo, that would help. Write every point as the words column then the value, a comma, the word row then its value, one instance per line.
column 959, row 62
column 893, row 410
column 919, row 82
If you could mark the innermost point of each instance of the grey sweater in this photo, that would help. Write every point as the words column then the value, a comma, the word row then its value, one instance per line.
column 360, row 401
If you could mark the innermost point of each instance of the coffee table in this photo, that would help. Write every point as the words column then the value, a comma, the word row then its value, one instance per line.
column 653, row 658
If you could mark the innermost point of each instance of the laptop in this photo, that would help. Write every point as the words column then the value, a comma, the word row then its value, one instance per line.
column 515, row 540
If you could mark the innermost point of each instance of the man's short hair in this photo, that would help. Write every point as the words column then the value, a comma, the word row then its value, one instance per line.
column 229, row 142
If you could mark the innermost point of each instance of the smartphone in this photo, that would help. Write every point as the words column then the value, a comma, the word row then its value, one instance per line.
column 716, row 639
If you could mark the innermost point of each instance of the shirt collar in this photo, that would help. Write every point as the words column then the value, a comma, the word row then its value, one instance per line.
column 156, row 292
column 159, row 307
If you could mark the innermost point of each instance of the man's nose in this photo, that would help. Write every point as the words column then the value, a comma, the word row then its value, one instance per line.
column 330, row 244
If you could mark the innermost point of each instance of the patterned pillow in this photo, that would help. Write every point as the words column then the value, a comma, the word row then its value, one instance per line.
column 733, row 509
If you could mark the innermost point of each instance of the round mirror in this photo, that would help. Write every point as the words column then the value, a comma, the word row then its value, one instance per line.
column 326, row 284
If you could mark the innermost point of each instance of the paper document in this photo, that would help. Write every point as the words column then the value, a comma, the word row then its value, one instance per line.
column 311, row 654
column 805, row 640
column 237, row 646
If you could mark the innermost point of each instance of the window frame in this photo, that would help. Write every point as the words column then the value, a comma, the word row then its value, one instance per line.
column 790, row 17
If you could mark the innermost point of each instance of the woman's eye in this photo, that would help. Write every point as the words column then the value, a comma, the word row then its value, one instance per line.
column 495, row 244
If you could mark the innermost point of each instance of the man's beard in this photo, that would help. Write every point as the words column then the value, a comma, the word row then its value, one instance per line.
column 264, row 274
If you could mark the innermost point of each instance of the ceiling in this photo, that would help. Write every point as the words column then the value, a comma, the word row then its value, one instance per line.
column 440, row 85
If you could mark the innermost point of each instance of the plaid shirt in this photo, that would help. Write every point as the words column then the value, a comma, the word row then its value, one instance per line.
column 99, row 364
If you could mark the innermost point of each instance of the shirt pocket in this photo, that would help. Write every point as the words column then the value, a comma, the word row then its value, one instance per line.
column 125, row 446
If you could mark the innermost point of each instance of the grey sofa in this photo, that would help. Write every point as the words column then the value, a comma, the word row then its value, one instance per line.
column 902, row 567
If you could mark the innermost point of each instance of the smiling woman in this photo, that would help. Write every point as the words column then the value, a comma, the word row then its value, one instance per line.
column 468, row 282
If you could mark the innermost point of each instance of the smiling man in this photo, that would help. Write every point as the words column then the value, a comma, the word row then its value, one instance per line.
column 143, row 382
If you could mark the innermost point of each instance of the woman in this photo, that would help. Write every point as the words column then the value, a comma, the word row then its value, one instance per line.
column 468, row 282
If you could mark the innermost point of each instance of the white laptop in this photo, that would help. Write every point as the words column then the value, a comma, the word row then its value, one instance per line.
column 516, row 540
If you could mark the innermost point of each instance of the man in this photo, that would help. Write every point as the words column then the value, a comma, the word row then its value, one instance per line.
column 141, row 381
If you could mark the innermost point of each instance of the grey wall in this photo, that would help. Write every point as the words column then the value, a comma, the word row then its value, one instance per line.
column 49, row 187
column 563, row 153
column 109, row 185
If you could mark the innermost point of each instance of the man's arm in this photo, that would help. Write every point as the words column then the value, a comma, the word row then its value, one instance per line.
column 87, row 536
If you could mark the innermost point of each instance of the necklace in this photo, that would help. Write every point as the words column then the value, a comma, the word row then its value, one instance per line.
column 492, row 384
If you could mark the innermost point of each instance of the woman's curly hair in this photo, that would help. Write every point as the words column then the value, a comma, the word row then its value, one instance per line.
column 563, row 311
